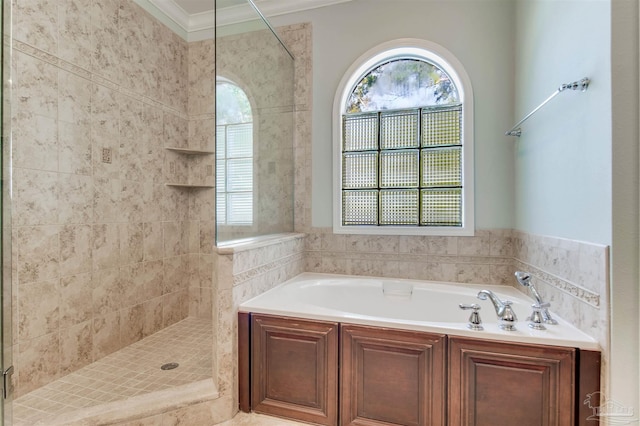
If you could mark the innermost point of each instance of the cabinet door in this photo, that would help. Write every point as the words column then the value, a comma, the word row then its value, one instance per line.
column 295, row 369
column 392, row 377
column 493, row 383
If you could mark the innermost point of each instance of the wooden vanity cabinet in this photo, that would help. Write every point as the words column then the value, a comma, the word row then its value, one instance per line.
column 495, row 383
column 392, row 377
column 294, row 368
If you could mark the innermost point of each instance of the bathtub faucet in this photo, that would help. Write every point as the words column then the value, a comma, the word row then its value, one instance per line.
column 506, row 316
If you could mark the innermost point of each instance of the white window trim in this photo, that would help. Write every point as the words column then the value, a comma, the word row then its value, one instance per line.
column 242, row 228
column 407, row 49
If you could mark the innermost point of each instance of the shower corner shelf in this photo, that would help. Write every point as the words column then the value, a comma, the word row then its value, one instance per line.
column 188, row 151
column 189, row 185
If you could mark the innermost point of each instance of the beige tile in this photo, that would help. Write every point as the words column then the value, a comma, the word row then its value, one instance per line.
column 75, row 293
column 104, row 39
column 36, row 23
column 35, row 197
column 106, row 246
column 106, row 334
column 75, row 249
column 76, row 347
column 75, row 199
column 35, row 141
column 131, row 243
column 108, row 291
column 74, row 32
column 38, row 253
column 38, row 309
column 37, row 362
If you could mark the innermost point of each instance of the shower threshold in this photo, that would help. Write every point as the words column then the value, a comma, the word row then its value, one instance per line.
column 130, row 382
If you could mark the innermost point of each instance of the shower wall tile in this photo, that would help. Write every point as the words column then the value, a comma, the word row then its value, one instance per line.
column 76, row 347
column 75, row 249
column 42, row 297
column 106, row 199
column 74, row 32
column 37, row 87
column 153, row 241
column 35, row 197
column 74, row 148
column 132, row 324
column 76, row 198
column 39, row 361
column 106, row 334
column 175, row 307
column 36, row 22
column 105, row 44
column 201, row 57
column 131, row 243
column 153, row 279
column 38, row 253
column 101, row 88
column 108, row 291
column 36, row 142
column 75, row 293
column 74, row 98
column 152, row 321
column 106, row 246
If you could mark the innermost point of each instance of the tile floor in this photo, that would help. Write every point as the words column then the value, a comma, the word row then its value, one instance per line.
column 131, row 371
column 253, row 419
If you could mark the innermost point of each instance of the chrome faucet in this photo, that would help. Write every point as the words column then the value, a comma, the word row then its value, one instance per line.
column 541, row 308
column 506, row 316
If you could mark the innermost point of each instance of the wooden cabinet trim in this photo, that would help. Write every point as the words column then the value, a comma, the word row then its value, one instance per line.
column 473, row 362
column 276, row 382
column 244, row 354
column 413, row 387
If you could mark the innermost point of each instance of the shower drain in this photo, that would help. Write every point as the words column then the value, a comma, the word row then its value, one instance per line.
column 169, row 366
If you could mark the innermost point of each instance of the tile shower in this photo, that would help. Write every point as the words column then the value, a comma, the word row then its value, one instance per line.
column 108, row 255
column 104, row 253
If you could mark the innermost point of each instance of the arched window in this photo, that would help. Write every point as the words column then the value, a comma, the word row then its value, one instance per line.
column 234, row 155
column 403, row 147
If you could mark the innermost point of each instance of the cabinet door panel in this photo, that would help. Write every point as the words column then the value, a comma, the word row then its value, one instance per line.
column 295, row 368
column 392, row 377
column 493, row 383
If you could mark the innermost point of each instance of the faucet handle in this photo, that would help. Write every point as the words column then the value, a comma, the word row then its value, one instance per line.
column 508, row 319
column 475, row 323
column 537, row 318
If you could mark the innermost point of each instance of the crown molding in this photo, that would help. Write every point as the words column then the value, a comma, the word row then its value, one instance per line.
column 199, row 26
column 242, row 13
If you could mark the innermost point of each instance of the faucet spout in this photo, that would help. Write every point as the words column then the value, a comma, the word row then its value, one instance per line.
column 506, row 316
column 497, row 303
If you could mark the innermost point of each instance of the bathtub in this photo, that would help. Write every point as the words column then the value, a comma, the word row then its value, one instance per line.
column 411, row 305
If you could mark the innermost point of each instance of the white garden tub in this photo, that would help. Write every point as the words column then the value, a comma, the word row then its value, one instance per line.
column 409, row 304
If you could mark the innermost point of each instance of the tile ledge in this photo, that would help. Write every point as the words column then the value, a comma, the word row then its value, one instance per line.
column 139, row 406
column 252, row 243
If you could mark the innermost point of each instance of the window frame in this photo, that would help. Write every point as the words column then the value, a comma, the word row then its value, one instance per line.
column 240, row 226
column 441, row 57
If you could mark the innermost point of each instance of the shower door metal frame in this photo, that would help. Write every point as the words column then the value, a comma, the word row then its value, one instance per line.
column 6, row 324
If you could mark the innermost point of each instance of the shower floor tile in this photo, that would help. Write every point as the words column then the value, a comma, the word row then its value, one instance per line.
column 131, row 371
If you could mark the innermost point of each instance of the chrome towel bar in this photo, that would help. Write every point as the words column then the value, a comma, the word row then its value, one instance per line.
column 581, row 85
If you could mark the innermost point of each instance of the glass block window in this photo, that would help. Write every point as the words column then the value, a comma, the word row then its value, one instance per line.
column 403, row 143
column 234, row 156
column 407, row 177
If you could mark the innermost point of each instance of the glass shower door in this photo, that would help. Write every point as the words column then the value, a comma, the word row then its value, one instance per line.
column 6, row 359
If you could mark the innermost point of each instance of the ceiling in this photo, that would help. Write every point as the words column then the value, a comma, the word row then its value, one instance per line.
column 198, row 15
